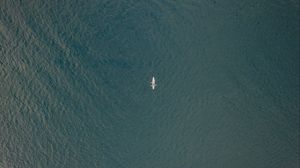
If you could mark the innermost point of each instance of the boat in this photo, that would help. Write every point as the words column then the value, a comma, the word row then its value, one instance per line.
column 153, row 84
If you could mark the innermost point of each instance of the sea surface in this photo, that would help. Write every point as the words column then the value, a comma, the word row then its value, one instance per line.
column 75, row 84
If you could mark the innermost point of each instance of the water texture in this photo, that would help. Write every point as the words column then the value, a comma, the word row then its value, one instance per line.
column 75, row 84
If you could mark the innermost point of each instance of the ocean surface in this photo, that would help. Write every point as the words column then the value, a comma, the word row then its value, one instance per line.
column 75, row 84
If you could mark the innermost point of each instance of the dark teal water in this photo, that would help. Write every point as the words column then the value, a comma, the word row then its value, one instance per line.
column 75, row 84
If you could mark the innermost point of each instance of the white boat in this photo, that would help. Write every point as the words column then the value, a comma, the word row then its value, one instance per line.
column 153, row 84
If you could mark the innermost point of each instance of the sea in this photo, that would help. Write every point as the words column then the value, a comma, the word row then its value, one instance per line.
column 75, row 84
